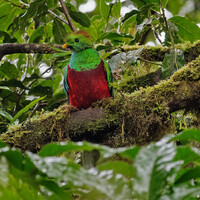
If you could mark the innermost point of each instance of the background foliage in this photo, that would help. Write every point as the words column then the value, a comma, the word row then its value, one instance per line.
column 158, row 171
column 33, row 82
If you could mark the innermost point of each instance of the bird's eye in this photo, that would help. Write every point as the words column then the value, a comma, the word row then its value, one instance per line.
column 76, row 40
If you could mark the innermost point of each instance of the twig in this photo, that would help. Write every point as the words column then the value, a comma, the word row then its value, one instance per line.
column 167, row 25
column 37, row 106
column 50, row 11
column 71, row 25
column 148, row 61
column 56, row 16
column 157, row 37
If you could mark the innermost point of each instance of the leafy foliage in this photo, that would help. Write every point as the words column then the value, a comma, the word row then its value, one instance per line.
column 29, row 83
column 157, row 171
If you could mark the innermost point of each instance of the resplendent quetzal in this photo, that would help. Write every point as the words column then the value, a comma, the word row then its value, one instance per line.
column 87, row 77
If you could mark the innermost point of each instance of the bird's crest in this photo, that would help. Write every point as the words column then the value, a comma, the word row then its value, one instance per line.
column 82, row 32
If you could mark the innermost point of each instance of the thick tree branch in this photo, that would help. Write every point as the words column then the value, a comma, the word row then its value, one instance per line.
column 144, row 116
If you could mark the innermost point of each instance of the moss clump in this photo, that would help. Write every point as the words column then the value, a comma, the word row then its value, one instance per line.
column 34, row 133
column 130, row 84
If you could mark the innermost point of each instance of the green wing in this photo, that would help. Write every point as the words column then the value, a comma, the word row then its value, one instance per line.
column 109, row 76
column 66, row 87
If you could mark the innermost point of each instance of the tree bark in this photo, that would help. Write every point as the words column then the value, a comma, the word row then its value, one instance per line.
column 137, row 118
column 12, row 48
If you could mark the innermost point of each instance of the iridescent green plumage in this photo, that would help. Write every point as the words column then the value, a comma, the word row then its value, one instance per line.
column 84, row 58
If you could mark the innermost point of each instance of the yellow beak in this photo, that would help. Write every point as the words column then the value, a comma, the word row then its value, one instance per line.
column 64, row 46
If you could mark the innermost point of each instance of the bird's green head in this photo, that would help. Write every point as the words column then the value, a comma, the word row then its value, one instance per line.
column 78, row 41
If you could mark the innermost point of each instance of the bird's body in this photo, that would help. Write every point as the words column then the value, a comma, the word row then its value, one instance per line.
column 87, row 77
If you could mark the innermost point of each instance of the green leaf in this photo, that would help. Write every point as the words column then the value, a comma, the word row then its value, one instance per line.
column 6, row 38
column 7, row 15
column 32, row 77
column 4, row 171
column 5, row 88
column 165, row 2
column 152, row 1
column 9, row 70
column 58, row 97
column 104, row 9
column 56, row 149
column 38, row 33
column 184, row 192
column 128, row 24
column 96, row 185
column 56, row 82
column 12, row 83
column 40, row 90
column 35, row 6
column 187, row 30
column 153, row 165
column 118, row 167
column 130, row 152
column 26, row 108
column 58, row 192
column 143, row 15
column 172, row 62
column 50, row 3
column 116, row 8
column 80, row 18
column 138, row 3
column 14, row 156
column 189, row 174
column 59, row 32
column 188, row 135
column 6, row 114
column 187, row 154
column 130, row 14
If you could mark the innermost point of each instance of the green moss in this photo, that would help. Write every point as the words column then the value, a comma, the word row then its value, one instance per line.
column 157, row 53
column 41, row 129
column 130, row 84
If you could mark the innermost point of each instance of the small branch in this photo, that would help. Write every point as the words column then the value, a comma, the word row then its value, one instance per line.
column 71, row 25
column 166, row 24
column 147, row 61
column 50, row 11
column 10, row 48
column 157, row 37
column 56, row 16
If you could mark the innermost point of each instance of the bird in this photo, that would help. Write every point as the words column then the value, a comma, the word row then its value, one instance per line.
column 87, row 77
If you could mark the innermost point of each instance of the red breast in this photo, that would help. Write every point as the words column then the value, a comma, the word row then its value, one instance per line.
column 86, row 87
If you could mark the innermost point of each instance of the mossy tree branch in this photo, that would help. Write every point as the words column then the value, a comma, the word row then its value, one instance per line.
column 148, row 53
column 137, row 118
